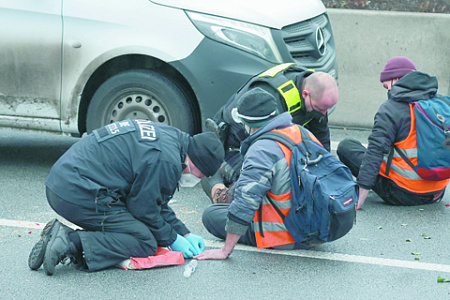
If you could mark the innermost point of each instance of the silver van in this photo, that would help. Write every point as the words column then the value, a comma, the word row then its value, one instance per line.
column 73, row 66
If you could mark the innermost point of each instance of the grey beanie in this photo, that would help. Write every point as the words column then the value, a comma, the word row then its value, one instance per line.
column 206, row 152
column 256, row 107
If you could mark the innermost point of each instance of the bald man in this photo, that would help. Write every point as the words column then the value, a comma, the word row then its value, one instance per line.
column 306, row 94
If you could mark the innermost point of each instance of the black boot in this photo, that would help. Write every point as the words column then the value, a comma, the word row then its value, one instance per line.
column 58, row 248
column 36, row 257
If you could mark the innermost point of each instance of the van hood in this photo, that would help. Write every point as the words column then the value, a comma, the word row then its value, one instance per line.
column 270, row 13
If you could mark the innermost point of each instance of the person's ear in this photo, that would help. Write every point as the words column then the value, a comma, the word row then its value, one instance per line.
column 305, row 93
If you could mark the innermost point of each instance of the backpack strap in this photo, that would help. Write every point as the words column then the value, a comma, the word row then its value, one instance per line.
column 278, row 137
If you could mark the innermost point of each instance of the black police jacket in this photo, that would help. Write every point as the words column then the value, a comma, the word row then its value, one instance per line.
column 134, row 163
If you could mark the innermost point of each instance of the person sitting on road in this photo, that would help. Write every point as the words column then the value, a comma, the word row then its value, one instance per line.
column 265, row 173
column 392, row 126
column 305, row 94
column 116, row 184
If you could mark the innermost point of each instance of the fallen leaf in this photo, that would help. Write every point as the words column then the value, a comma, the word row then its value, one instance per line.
column 416, row 258
column 408, row 240
column 446, row 204
column 441, row 279
column 416, row 253
column 424, row 234
column 379, row 227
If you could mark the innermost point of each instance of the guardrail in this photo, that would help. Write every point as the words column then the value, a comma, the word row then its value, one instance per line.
column 365, row 40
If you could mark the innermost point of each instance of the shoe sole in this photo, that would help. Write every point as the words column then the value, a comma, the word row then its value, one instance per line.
column 36, row 257
column 48, row 267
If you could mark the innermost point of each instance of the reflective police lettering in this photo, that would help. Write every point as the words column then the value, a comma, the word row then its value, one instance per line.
column 147, row 130
column 113, row 128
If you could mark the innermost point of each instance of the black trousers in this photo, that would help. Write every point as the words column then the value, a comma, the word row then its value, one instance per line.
column 111, row 234
column 215, row 218
column 351, row 152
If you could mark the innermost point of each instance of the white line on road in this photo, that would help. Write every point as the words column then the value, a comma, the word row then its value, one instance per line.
column 341, row 257
column 298, row 253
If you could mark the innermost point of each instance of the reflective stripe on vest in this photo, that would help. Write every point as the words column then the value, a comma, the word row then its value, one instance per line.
column 275, row 70
column 287, row 89
column 401, row 173
column 274, row 231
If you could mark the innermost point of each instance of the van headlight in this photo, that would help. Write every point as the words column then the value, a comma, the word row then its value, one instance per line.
column 248, row 37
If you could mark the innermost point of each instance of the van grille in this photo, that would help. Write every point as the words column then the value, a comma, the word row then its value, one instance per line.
column 300, row 40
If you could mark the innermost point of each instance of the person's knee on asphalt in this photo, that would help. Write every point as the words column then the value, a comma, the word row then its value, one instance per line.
column 116, row 184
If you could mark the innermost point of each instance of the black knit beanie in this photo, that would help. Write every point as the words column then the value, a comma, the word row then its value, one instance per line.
column 206, row 152
column 256, row 107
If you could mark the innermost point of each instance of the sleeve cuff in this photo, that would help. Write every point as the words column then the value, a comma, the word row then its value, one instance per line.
column 236, row 228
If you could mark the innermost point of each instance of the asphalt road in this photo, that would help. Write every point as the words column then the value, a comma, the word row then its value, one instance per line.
column 373, row 261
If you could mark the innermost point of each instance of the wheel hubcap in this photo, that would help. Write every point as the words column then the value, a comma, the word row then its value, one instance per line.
column 137, row 106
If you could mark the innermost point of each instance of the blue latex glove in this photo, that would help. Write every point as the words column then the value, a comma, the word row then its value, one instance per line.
column 182, row 245
column 197, row 242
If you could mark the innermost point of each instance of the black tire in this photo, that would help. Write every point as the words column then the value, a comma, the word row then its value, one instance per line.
column 140, row 94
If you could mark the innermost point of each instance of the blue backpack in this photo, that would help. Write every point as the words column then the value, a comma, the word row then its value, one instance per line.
column 433, row 139
column 324, row 194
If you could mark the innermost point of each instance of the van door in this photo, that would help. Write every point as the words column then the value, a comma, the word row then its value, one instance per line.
column 30, row 58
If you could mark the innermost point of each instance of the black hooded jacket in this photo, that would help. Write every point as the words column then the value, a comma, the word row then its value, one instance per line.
column 393, row 120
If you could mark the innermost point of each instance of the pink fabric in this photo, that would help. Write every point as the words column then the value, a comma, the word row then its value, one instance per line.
column 162, row 257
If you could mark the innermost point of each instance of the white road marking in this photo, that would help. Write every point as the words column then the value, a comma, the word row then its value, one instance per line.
column 341, row 257
column 298, row 253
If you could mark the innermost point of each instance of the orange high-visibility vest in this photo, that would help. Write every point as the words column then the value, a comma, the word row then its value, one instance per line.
column 274, row 233
column 401, row 173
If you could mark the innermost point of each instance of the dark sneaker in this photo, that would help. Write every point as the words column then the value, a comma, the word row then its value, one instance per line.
column 36, row 257
column 58, row 247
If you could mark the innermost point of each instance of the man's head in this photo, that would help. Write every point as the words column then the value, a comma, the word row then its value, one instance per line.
column 395, row 68
column 320, row 92
column 256, row 108
column 206, row 152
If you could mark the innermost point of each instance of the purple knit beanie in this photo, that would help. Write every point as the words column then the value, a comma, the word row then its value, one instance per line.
column 396, row 67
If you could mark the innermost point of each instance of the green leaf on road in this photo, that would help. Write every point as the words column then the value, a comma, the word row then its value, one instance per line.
column 416, row 253
column 408, row 240
column 441, row 279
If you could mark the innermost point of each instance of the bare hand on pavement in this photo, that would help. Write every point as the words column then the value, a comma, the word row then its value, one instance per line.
column 211, row 254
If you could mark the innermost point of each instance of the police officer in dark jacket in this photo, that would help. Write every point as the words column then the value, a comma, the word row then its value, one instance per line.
column 306, row 94
column 116, row 184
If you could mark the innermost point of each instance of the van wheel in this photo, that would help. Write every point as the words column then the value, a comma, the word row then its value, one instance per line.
column 140, row 94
